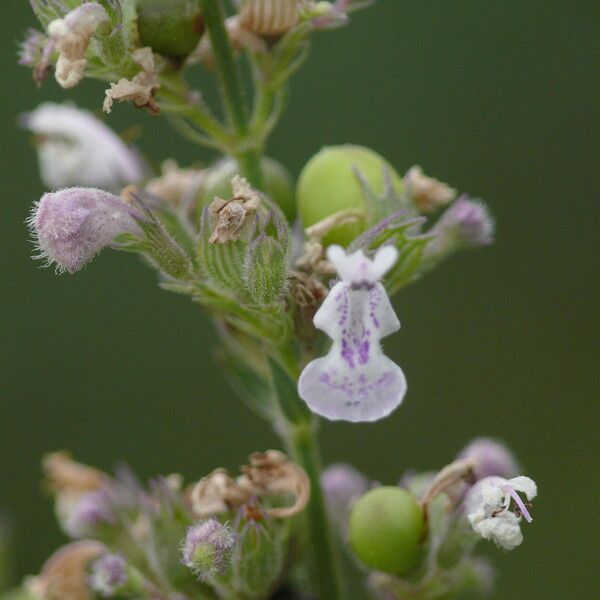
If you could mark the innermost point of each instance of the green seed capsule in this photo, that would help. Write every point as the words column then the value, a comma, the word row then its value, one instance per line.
column 386, row 530
column 278, row 184
column 170, row 28
column 329, row 184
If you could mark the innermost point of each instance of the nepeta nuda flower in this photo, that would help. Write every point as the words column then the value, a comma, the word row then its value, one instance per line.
column 71, row 226
column 355, row 381
column 491, row 458
column 487, row 507
column 75, row 148
column 207, row 548
column 108, row 575
column 71, row 36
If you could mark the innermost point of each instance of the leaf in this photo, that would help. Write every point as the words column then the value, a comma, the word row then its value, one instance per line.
column 294, row 409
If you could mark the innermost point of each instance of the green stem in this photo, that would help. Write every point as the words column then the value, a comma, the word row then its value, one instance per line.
column 214, row 20
column 325, row 565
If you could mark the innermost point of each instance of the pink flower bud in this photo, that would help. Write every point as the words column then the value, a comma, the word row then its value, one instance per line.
column 71, row 226
column 492, row 459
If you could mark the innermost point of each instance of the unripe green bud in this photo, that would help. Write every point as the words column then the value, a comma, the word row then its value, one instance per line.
column 329, row 184
column 172, row 27
column 386, row 530
column 277, row 183
column 265, row 270
column 258, row 558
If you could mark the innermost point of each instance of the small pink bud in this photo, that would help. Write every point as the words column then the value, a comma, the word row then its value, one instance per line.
column 72, row 225
column 492, row 459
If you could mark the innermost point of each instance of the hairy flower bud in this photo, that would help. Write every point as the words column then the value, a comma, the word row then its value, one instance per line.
column 75, row 148
column 71, row 226
column 342, row 485
column 108, row 575
column 333, row 181
column 266, row 269
column 467, row 223
column 490, row 458
column 207, row 548
column 386, row 530
column 88, row 513
column 171, row 28
column 258, row 557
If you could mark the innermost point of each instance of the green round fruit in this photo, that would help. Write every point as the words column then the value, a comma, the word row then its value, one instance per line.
column 386, row 530
column 328, row 184
column 278, row 183
column 172, row 28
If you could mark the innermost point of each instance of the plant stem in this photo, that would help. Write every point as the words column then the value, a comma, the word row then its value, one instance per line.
column 326, row 569
column 214, row 20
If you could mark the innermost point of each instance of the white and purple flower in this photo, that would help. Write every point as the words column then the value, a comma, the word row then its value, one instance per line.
column 355, row 381
column 488, row 505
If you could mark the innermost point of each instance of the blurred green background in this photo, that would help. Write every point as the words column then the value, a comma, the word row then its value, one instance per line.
column 498, row 98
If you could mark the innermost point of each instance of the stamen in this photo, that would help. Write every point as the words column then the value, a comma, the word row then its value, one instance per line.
column 522, row 507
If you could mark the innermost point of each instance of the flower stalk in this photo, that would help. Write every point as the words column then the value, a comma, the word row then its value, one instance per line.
column 325, row 564
column 214, row 19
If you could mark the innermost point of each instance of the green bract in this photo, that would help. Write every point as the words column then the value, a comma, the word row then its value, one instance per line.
column 278, row 183
column 386, row 529
column 329, row 183
column 171, row 28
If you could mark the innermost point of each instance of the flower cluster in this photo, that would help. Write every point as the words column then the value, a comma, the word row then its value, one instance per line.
column 468, row 500
column 298, row 278
column 212, row 535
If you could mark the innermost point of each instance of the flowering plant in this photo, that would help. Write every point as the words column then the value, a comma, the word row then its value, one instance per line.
column 276, row 265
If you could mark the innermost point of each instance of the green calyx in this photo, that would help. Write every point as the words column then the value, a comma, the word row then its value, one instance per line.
column 387, row 527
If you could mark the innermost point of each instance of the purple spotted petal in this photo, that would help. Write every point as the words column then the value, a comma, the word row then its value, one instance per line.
column 355, row 381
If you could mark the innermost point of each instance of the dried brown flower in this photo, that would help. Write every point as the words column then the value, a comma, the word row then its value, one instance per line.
column 64, row 575
column 269, row 474
column 233, row 214
column 141, row 88
column 428, row 194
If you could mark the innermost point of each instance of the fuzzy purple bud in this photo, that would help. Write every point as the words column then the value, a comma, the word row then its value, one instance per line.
column 468, row 222
column 91, row 511
column 71, row 226
column 207, row 548
column 109, row 575
column 492, row 459
column 342, row 484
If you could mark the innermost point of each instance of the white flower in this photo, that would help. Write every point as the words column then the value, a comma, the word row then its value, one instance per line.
column 488, row 509
column 355, row 381
column 75, row 148
column 71, row 37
